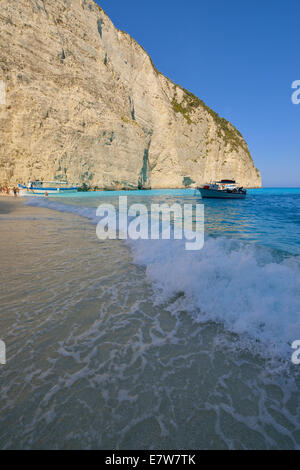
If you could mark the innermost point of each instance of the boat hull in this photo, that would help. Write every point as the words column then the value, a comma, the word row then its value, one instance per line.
column 24, row 191
column 220, row 194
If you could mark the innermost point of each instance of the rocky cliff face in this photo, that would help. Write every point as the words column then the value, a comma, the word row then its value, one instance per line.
column 85, row 103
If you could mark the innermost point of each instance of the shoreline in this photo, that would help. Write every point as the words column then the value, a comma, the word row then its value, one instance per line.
column 103, row 324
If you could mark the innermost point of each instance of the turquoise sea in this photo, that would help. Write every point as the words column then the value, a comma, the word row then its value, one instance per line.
column 141, row 344
column 269, row 217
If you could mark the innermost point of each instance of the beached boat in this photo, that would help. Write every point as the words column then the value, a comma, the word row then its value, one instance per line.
column 224, row 189
column 47, row 188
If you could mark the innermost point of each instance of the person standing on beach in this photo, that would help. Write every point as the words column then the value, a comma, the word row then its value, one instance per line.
column 15, row 191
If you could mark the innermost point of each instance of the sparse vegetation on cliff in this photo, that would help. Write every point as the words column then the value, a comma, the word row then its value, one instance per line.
column 191, row 102
column 184, row 110
column 187, row 181
column 227, row 131
column 99, row 8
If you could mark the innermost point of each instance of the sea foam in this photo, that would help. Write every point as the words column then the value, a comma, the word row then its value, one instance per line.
column 246, row 287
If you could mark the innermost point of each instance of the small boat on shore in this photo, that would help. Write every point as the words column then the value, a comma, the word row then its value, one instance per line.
column 224, row 189
column 46, row 188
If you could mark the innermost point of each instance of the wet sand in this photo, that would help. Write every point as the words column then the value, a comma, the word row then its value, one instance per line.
column 94, row 363
column 9, row 204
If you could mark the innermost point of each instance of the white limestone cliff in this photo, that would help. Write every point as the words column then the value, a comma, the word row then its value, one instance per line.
column 85, row 103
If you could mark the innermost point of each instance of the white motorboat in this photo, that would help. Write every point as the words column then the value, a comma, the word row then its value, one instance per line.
column 224, row 189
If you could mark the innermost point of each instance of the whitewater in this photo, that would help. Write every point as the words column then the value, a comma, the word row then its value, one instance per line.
column 247, row 276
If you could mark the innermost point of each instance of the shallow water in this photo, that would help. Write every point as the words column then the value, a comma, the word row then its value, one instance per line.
column 109, row 344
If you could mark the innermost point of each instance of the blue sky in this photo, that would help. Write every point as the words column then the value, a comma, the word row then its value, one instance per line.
column 239, row 57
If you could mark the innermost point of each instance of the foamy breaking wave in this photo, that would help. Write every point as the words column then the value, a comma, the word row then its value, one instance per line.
column 245, row 287
column 240, row 285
